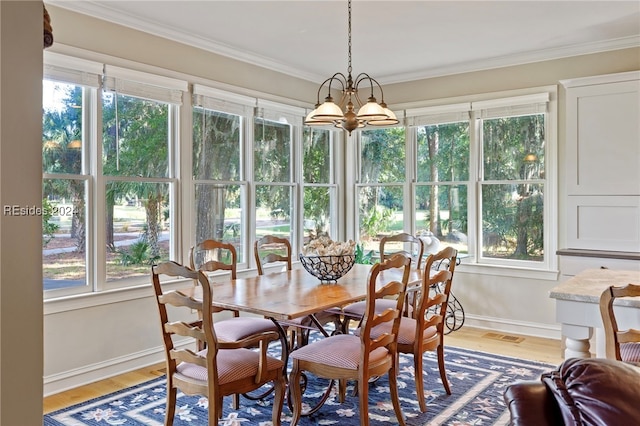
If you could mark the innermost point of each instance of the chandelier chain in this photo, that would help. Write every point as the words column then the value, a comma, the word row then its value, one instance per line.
column 350, row 112
column 349, row 44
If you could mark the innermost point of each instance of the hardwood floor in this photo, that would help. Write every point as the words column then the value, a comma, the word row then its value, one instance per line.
column 525, row 347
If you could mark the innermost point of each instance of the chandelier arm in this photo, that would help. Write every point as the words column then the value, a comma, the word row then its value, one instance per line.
column 364, row 76
column 329, row 80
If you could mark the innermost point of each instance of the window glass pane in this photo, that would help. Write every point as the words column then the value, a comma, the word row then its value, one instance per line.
column 513, row 147
column 135, row 136
column 383, row 155
column 64, row 238
column 137, row 224
column 512, row 221
column 273, row 210
column 443, row 152
column 61, row 128
column 317, row 211
column 380, row 212
column 316, row 164
column 216, row 145
column 219, row 214
column 441, row 215
column 272, row 151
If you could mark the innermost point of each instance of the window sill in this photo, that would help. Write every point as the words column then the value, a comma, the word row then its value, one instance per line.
column 507, row 271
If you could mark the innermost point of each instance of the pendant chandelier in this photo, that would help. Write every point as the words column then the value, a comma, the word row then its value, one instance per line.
column 351, row 113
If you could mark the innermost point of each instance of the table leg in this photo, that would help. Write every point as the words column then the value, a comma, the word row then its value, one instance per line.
column 576, row 341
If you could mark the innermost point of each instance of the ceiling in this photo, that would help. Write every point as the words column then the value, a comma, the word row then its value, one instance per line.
column 392, row 41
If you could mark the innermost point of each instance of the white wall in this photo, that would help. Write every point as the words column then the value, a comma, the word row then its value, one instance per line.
column 82, row 345
column 20, row 238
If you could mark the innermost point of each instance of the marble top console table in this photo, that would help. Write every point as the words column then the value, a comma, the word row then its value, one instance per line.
column 578, row 310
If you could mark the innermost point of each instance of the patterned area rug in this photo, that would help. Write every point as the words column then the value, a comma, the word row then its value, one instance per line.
column 477, row 382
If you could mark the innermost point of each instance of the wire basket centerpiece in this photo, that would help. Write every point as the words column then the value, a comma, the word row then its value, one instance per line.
column 328, row 260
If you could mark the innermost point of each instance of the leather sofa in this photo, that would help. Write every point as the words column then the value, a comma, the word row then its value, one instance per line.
column 581, row 392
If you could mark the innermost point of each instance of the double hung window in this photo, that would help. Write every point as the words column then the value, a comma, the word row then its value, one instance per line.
column 275, row 188
column 109, row 174
column 319, row 189
column 219, row 184
column 479, row 175
column 380, row 190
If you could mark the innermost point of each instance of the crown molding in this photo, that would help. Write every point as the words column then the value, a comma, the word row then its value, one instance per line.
column 104, row 12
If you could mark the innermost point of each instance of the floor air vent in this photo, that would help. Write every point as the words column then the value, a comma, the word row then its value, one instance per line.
column 503, row 337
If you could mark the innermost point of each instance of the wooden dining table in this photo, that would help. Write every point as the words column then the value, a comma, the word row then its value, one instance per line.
column 288, row 295
column 293, row 294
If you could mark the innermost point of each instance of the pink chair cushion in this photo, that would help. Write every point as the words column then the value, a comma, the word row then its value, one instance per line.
column 233, row 364
column 406, row 333
column 630, row 352
column 341, row 350
column 357, row 309
column 234, row 329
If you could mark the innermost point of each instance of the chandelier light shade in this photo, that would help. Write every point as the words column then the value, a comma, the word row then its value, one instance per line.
column 350, row 112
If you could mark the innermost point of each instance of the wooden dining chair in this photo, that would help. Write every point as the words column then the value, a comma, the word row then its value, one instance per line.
column 214, row 255
column 211, row 256
column 411, row 246
column 623, row 345
column 272, row 249
column 349, row 357
column 223, row 368
column 424, row 331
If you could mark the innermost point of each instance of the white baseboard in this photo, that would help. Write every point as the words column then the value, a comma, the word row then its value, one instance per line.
column 92, row 373
column 70, row 379
column 548, row 331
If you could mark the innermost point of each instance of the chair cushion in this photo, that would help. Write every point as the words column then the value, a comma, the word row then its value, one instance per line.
column 234, row 329
column 595, row 391
column 357, row 309
column 341, row 350
column 630, row 352
column 406, row 333
column 233, row 364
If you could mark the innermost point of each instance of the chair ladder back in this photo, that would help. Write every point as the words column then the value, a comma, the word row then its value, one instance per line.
column 201, row 330
column 613, row 335
column 414, row 244
column 397, row 289
column 196, row 373
column 439, row 282
column 267, row 250
column 214, row 255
